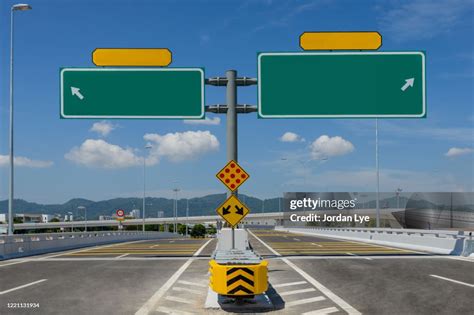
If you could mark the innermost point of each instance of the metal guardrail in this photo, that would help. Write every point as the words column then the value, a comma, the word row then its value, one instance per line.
column 34, row 244
column 447, row 242
column 435, row 233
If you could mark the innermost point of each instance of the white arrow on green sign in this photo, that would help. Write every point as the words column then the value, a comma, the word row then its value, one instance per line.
column 132, row 93
column 342, row 85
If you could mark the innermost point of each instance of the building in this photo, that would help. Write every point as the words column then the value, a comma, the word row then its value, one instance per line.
column 135, row 213
column 3, row 218
column 45, row 218
column 161, row 214
column 29, row 217
column 105, row 217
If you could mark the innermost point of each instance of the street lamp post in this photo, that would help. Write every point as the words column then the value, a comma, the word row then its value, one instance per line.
column 377, row 205
column 175, row 230
column 187, row 216
column 72, row 222
column 147, row 147
column 16, row 7
column 85, row 216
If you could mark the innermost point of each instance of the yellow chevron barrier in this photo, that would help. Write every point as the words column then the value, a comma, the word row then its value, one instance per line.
column 238, row 280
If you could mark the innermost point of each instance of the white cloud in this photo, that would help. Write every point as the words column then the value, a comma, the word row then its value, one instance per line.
column 103, row 128
column 325, row 147
column 181, row 146
column 419, row 19
column 291, row 137
column 101, row 154
column 24, row 161
column 208, row 121
column 454, row 152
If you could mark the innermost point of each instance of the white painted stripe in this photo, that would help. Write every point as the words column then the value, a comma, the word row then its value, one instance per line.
column 123, row 255
column 317, row 244
column 202, row 248
column 177, row 299
column 197, row 284
column 281, row 285
column 352, row 254
column 88, row 249
column 455, row 281
column 297, row 291
column 305, row 301
column 22, row 286
column 461, row 258
column 181, row 289
column 211, row 300
column 336, row 299
column 296, row 239
column 323, row 311
column 171, row 311
column 150, row 304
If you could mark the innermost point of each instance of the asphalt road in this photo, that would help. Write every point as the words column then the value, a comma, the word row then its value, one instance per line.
column 307, row 275
column 377, row 279
column 111, row 279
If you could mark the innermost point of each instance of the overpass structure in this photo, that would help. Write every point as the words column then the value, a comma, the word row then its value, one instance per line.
column 253, row 218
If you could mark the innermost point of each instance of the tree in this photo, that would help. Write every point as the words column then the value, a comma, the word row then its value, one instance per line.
column 54, row 220
column 212, row 229
column 198, row 231
column 181, row 229
column 17, row 220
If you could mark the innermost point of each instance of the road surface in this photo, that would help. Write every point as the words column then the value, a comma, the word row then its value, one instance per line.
column 308, row 275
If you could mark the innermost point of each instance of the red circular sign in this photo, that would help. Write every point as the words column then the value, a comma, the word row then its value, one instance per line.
column 120, row 213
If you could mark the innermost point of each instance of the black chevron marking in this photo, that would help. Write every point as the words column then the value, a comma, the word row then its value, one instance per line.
column 240, row 288
column 247, row 270
column 225, row 210
column 239, row 210
column 239, row 277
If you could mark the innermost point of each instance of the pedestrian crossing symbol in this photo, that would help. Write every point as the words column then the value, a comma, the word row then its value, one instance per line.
column 232, row 211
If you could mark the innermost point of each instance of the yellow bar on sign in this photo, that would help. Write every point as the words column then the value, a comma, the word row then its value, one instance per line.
column 131, row 57
column 340, row 41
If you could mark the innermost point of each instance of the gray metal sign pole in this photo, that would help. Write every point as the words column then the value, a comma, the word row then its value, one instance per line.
column 231, row 99
column 231, row 109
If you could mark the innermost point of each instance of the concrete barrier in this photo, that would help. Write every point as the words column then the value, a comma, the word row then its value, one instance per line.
column 433, row 241
column 22, row 245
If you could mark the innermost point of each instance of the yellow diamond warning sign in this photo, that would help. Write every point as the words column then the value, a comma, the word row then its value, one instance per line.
column 232, row 175
column 232, row 211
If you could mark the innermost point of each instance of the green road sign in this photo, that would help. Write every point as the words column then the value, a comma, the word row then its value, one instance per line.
column 132, row 93
column 341, row 85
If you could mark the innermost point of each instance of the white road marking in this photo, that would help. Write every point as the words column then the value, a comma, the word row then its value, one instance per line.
column 87, row 249
column 155, row 246
column 323, row 311
column 455, row 281
column 193, row 283
column 171, row 311
column 305, row 301
column 171, row 241
column 181, row 289
column 351, row 254
column 123, row 255
column 297, row 291
column 297, row 239
column 177, row 299
column 462, row 258
column 336, row 299
column 281, row 285
column 317, row 244
column 22, row 286
column 150, row 304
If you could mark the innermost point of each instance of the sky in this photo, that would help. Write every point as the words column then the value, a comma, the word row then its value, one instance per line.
column 59, row 159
